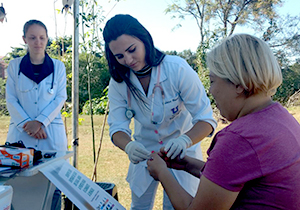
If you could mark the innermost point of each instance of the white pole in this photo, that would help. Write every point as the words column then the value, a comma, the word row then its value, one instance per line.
column 75, row 81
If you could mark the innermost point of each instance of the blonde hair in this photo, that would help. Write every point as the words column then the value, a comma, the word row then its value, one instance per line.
column 248, row 61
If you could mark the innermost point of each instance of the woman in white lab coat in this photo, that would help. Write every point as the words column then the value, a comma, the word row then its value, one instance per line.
column 165, row 97
column 35, row 94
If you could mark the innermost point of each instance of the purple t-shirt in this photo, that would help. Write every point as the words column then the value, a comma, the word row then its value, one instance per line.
column 258, row 155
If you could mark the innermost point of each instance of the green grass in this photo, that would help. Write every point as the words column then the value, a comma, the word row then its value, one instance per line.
column 113, row 163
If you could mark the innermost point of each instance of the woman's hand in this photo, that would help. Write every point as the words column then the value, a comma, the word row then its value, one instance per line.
column 41, row 134
column 156, row 166
column 136, row 152
column 32, row 127
column 177, row 163
column 178, row 146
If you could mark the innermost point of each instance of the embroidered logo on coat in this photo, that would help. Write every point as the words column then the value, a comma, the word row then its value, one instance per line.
column 174, row 110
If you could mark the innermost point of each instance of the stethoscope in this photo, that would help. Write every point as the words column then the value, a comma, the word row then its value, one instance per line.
column 50, row 90
column 131, row 113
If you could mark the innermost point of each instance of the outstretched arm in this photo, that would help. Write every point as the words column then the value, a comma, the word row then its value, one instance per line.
column 188, row 164
column 209, row 194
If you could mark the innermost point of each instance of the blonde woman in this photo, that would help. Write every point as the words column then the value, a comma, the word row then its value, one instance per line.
column 254, row 163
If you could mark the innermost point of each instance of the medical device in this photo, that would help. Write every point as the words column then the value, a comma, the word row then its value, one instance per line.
column 131, row 113
column 50, row 90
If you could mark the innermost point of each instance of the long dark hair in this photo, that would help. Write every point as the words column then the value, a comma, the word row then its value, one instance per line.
column 125, row 24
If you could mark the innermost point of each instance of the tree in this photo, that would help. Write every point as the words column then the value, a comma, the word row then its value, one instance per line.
column 15, row 53
column 188, row 55
column 99, row 79
column 91, row 18
column 59, row 46
column 224, row 15
column 196, row 9
column 217, row 19
column 282, row 34
column 3, row 109
column 290, row 83
column 2, row 68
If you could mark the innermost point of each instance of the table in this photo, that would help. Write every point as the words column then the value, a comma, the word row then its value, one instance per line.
column 31, row 189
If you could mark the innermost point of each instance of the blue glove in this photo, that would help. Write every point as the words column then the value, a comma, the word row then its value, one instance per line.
column 137, row 152
column 178, row 146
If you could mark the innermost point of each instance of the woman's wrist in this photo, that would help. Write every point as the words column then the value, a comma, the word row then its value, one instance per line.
column 193, row 166
column 40, row 122
column 187, row 166
column 163, row 174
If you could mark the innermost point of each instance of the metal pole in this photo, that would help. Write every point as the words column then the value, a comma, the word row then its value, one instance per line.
column 75, row 80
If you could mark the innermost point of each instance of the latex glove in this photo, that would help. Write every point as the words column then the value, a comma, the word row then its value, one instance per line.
column 178, row 146
column 137, row 152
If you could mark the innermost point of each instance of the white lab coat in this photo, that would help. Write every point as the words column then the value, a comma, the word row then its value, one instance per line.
column 186, row 103
column 26, row 100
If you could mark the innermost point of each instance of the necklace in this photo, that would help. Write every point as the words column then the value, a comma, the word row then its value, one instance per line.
column 144, row 72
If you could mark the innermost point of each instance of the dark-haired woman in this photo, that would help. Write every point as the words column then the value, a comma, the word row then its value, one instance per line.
column 35, row 94
column 166, row 99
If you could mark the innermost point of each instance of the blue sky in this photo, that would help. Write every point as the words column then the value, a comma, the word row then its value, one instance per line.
column 149, row 12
